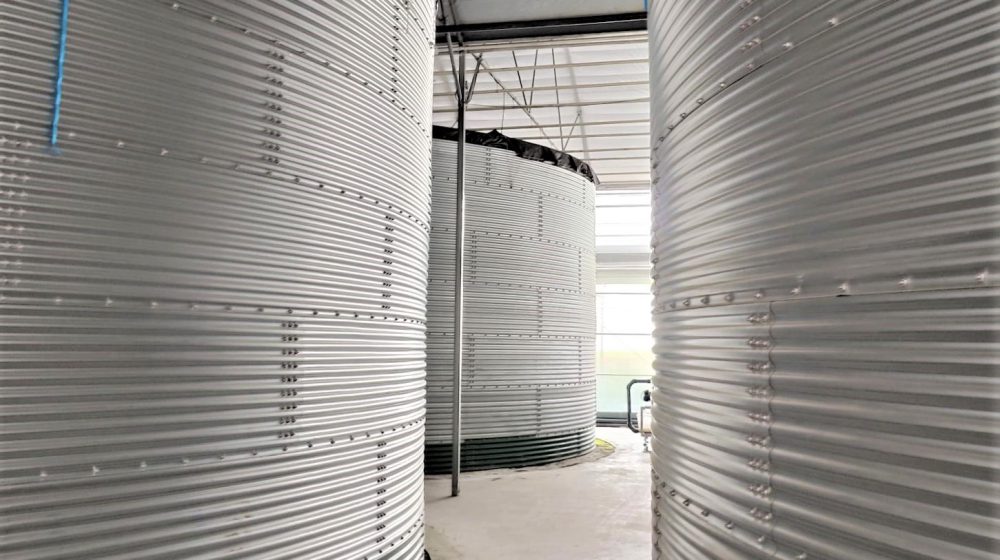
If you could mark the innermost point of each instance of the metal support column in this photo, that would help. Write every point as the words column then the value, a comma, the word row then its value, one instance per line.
column 456, row 413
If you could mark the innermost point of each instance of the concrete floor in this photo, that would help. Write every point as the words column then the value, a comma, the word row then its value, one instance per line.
column 593, row 510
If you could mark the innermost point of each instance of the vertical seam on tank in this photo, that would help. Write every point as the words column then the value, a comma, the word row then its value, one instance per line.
column 770, row 423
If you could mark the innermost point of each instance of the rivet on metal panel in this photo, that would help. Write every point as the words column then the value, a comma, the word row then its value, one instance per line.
column 905, row 282
column 758, row 342
column 755, row 318
column 788, row 45
column 759, row 367
column 982, row 276
column 796, row 290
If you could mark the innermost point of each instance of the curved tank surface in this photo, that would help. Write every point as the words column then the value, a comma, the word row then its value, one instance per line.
column 213, row 284
column 826, row 204
column 528, row 347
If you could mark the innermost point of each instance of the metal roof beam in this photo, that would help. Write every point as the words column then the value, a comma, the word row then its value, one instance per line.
column 559, row 27
column 554, row 125
column 546, row 105
column 624, row 186
column 610, row 39
column 556, row 88
column 644, row 61
column 623, row 158
column 594, row 135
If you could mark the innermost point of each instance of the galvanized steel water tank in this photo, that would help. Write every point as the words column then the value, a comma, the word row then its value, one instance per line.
column 826, row 220
column 213, row 298
column 528, row 351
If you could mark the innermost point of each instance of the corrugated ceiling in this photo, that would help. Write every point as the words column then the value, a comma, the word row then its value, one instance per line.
column 587, row 95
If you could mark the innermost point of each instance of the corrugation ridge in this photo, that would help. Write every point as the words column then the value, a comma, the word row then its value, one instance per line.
column 805, row 151
column 214, row 298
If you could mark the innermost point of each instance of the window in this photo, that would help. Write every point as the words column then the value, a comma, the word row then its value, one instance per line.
column 624, row 299
column 623, row 222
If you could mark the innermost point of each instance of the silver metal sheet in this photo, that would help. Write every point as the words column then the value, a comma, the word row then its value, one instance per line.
column 825, row 245
column 529, row 304
column 859, row 157
column 213, row 295
column 859, row 427
column 887, row 412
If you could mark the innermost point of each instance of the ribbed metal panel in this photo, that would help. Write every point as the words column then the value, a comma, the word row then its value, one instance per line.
column 529, row 377
column 807, row 150
column 213, row 298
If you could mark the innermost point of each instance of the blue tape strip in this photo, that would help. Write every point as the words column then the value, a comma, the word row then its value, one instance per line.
column 60, row 62
column 645, row 5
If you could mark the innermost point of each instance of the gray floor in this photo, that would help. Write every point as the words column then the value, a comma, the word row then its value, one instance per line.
column 595, row 510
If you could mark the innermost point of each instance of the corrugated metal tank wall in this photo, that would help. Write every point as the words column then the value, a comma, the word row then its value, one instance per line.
column 213, row 299
column 826, row 210
column 529, row 377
